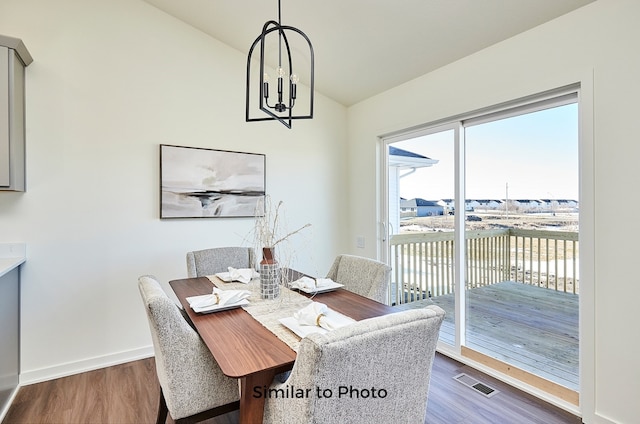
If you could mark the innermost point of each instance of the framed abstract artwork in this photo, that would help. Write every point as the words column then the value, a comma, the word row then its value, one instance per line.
column 206, row 183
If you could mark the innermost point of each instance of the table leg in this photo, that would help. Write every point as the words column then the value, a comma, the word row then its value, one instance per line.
column 252, row 407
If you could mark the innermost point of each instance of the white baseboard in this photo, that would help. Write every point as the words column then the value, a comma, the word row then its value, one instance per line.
column 599, row 419
column 90, row 364
column 4, row 410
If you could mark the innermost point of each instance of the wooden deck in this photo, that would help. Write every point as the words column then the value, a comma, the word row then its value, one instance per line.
column 529, row 327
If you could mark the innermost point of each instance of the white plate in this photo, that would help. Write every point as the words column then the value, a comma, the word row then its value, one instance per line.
column 216, row 308
column 329, row 287
column 301, row 330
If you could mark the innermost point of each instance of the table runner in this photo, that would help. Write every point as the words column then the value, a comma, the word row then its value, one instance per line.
column 268, row 311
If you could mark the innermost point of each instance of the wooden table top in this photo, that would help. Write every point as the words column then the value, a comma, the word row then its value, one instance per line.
column 242, row 346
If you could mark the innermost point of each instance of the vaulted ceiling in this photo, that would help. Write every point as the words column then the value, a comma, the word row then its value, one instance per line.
column 365, row 47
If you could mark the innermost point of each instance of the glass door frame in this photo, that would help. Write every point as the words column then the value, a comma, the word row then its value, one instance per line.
column 580, row 92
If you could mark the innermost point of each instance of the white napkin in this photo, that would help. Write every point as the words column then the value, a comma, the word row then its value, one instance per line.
column 323, row 282
column 315, row 313
column 310, row 283
column 243, row 275
column 219, row 297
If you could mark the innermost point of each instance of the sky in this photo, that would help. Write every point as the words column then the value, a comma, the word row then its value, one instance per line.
column 532, row 156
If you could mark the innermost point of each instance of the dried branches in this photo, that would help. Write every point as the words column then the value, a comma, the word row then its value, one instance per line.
column 269, row 227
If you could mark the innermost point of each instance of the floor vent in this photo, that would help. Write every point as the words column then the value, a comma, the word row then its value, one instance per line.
column 476, row 385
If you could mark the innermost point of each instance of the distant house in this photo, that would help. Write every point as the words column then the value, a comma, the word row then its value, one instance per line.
column 488, row 203
column 472, row 205
column 523, row 205
column 421, row 207
column 408, row 208
column 530, row 205
column 560, row 204
column 429, row 207
column 449, row 203
column 567, row 204
column 451, row 206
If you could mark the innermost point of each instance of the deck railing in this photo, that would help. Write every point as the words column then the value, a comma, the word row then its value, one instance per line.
column 423, row 263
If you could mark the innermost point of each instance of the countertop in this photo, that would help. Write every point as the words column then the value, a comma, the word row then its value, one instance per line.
column 12, row 255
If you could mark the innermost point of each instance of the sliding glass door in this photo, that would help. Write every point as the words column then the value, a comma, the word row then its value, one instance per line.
column 522, row 255
column 483, row 221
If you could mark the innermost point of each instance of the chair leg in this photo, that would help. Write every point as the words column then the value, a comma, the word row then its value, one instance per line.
column 162, row 409
column 210, row 413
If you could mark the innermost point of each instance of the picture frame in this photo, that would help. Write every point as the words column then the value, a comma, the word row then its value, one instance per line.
column 198, row 182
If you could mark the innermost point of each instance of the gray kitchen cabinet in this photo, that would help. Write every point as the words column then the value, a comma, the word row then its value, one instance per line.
column 14, row 58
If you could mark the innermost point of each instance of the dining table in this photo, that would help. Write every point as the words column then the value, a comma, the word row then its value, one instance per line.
column 247, row 350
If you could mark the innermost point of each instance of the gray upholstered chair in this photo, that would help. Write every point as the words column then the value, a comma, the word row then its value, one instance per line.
column 373, row 371
column 364, row 276
column 218, row 259
column 192, row 386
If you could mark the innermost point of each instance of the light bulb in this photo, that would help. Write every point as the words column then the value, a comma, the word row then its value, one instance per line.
column 280, row 72
column 265, row 85
column 294, row 78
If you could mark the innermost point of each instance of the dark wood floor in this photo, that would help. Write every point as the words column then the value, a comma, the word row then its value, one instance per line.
column 128, row 394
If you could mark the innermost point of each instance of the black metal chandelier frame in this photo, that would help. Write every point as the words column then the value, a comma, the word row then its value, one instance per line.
column 282, row 110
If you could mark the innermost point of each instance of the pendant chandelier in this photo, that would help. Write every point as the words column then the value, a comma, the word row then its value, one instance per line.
column 280, row 105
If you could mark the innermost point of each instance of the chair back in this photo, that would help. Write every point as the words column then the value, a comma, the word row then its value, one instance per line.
column 373, row 371
column 364, row 276
column 218, row 259
column 190, row 378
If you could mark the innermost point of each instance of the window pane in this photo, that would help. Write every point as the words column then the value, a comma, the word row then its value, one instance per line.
column 422, row 255
column 522, row 232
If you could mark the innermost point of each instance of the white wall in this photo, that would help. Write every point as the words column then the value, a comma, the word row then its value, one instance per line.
column 596, row 45
column 110, row 81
